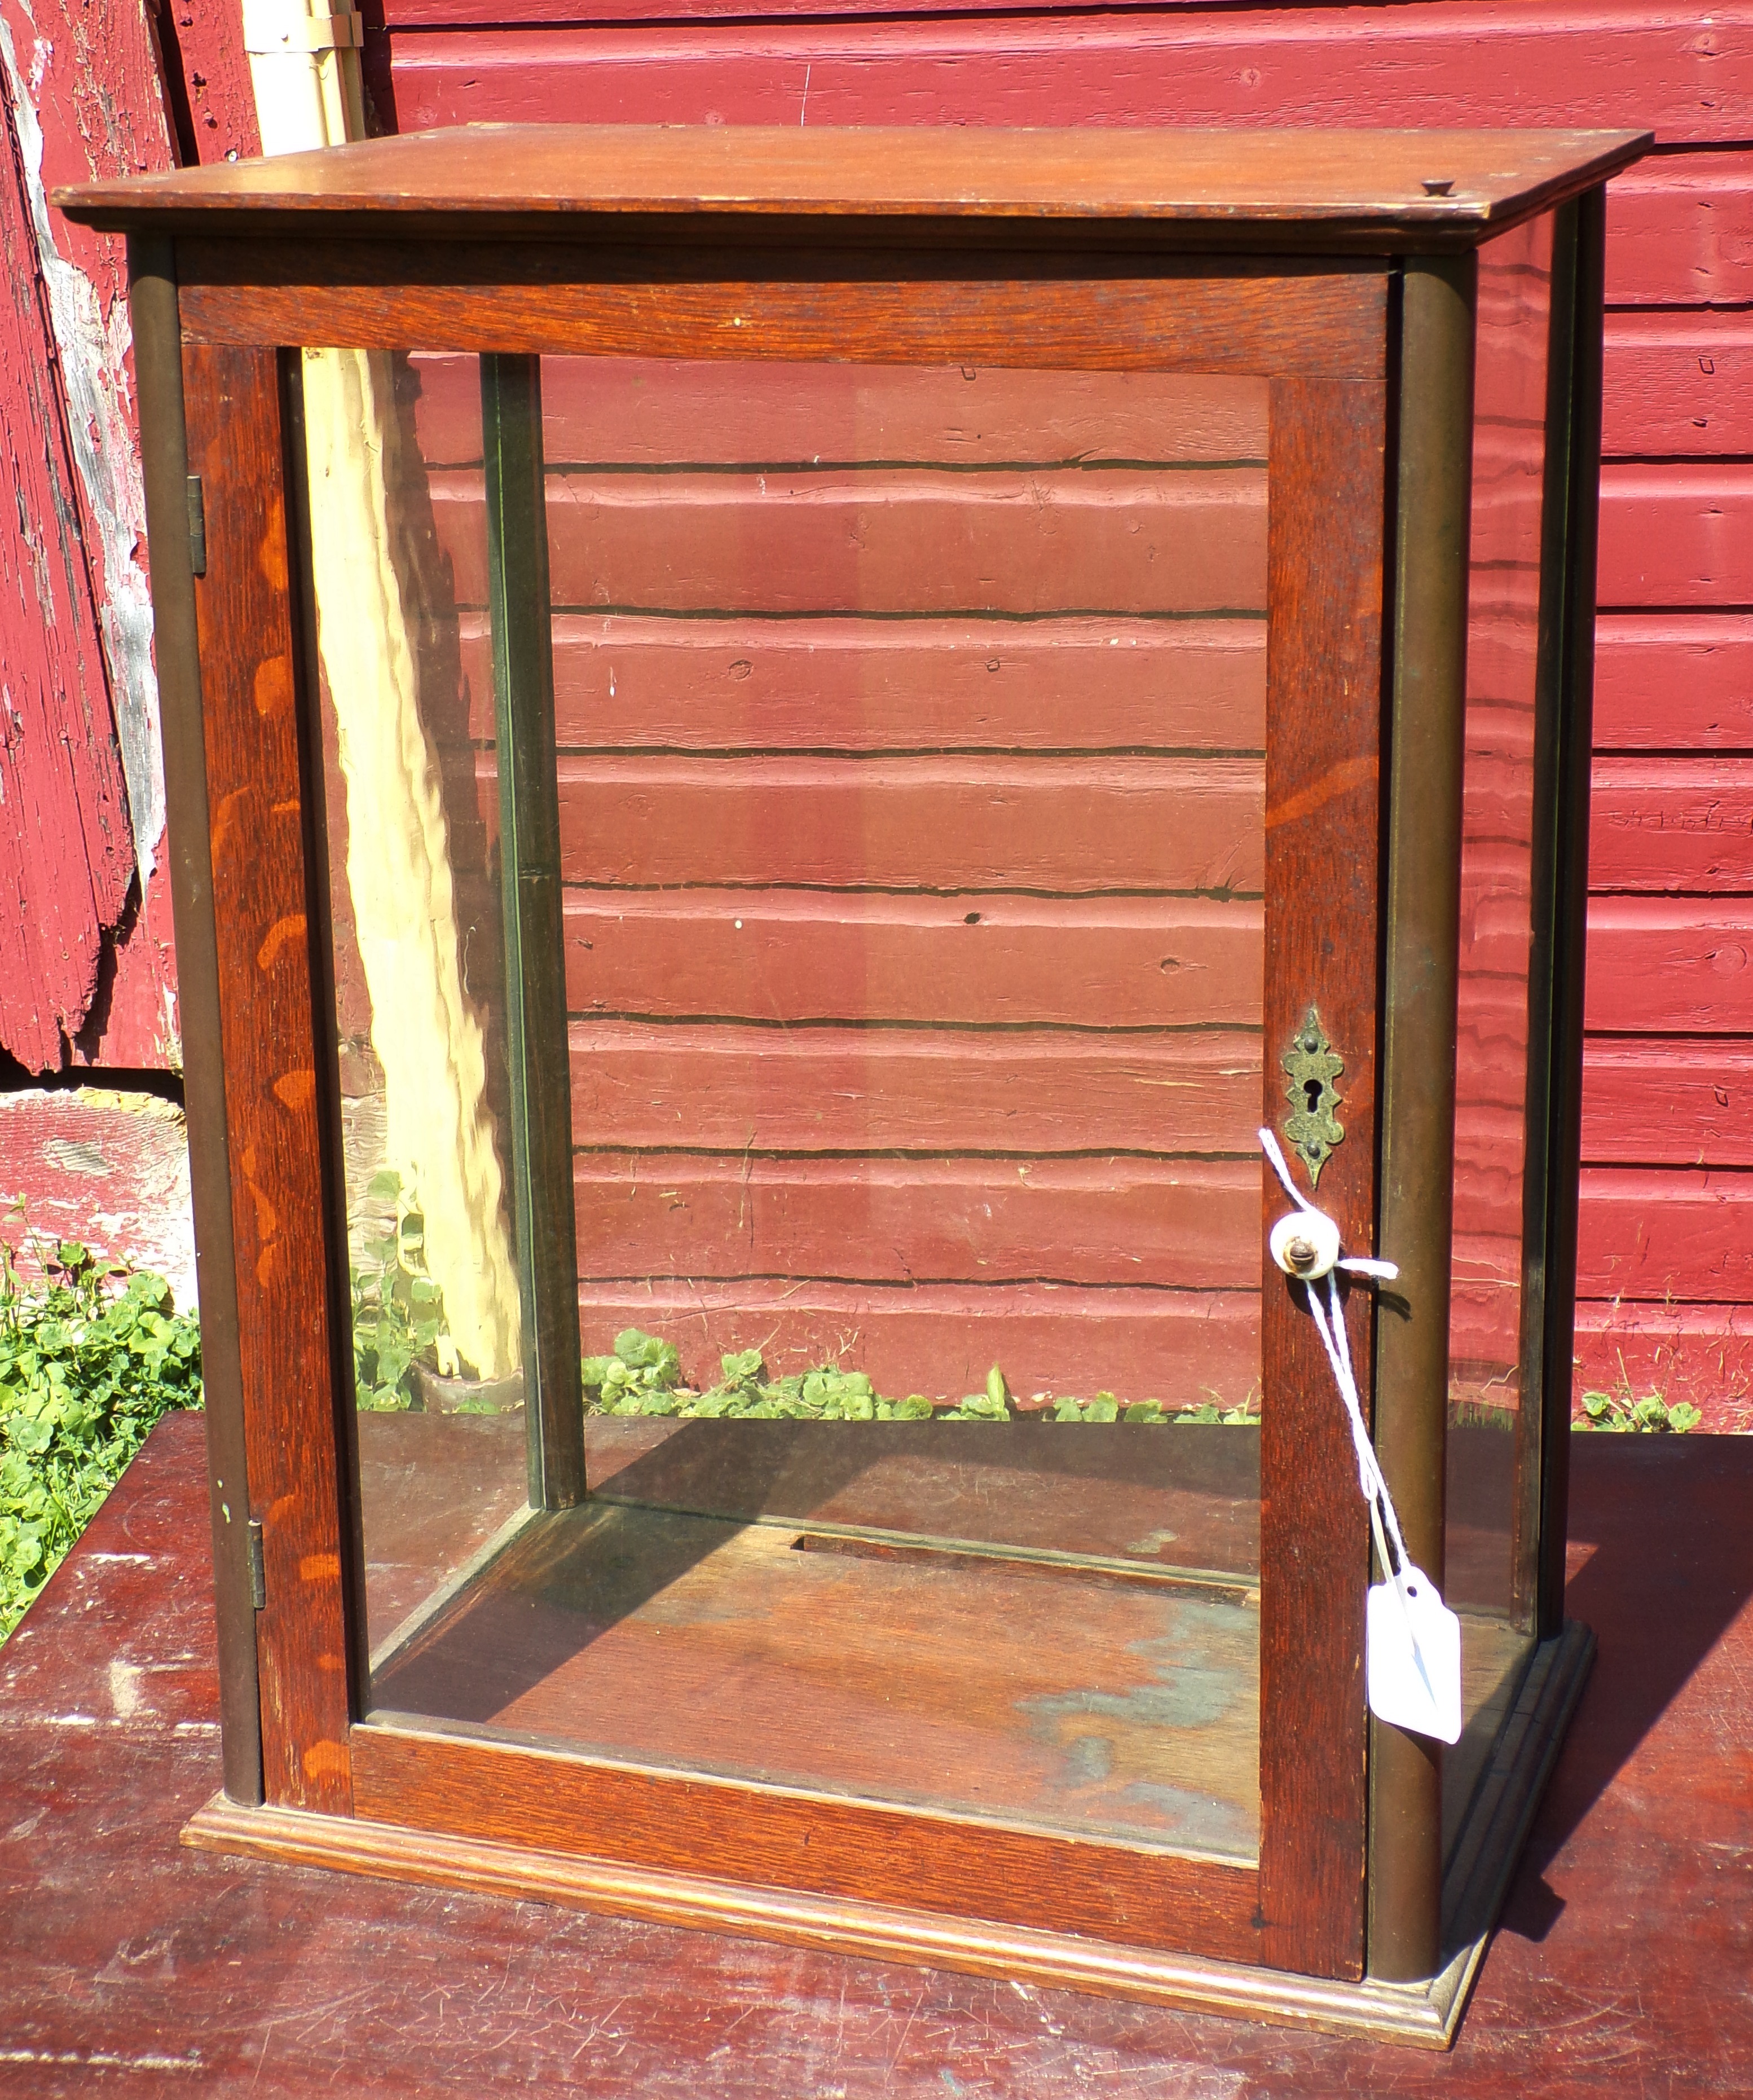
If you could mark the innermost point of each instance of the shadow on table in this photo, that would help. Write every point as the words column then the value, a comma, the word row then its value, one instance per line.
column 1670, row 1571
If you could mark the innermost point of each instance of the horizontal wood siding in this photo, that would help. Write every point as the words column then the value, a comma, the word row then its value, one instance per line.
column 904, row 541
column 1688, row 75
column 1670, row 996
column 966, row 822
column 1497, row 819
column 1177, row 1346
column 804, row 1090
column 1667, row 1186
column 86, row 954
column 910, row 800
column 625, row 681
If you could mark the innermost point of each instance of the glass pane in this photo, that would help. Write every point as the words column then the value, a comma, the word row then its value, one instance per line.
column 909, row 748
column 420, row 1008
column 1503, row 640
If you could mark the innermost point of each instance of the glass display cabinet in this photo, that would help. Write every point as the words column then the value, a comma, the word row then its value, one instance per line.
column 782, row 745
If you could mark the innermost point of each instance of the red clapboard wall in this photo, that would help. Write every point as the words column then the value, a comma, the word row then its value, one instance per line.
column 1668, row 1200
column 1667, row 1279
column 87, row 959
column 80, row 783
column 896, row 998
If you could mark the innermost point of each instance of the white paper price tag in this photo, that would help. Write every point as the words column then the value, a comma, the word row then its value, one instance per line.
column 1413, row 1658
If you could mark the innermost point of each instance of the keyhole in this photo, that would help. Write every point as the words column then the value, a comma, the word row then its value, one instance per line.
column 1312, row 1090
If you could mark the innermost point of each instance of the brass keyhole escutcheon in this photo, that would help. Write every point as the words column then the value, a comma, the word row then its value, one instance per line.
column 1313, row 1065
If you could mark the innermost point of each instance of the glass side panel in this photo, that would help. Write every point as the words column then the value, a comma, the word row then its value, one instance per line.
column 420, row 1008
column 909, row 731
column 1496, row 952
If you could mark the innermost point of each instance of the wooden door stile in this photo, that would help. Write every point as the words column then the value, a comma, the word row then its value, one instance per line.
column 271, row 971
column 1323, row 791
column 408, row 1773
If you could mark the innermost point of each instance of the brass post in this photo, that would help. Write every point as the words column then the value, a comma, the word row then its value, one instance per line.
column 1425, row 749
column 171, row 511
column 529, row 842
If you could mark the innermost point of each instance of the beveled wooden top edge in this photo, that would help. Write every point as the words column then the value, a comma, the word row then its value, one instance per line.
column 1333, row 188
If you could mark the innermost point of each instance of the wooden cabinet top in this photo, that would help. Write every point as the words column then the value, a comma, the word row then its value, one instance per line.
column 1316, row 190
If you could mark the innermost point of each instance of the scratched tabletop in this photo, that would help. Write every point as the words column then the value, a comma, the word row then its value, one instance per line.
column 1624, row 1964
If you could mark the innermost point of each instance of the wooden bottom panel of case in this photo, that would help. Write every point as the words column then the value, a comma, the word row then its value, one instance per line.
column 448, row 1780
column 1424, row 2015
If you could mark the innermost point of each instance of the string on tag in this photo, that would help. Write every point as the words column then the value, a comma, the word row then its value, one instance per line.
column 1306, row 1247
column 1330, row 1320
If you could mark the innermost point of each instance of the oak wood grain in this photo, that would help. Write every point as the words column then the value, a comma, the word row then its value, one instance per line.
column 499, row 1792
column 267, row 912
column 1330, row 184
column 1322, row 855
column 1086, row 311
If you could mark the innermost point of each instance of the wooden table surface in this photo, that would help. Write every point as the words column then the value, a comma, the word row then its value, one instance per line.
column 127, row 1964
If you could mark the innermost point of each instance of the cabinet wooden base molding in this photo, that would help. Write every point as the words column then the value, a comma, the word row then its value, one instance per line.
column 1426, row 2015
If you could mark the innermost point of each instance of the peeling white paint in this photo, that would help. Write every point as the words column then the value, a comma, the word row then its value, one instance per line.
column 93, row 356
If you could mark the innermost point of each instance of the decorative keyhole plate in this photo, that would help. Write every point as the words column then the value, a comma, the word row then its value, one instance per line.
column 1313, row 1065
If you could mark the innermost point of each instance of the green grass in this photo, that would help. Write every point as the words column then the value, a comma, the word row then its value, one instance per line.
column 644, row 1377
column 398, row 1310
column 91, row 1357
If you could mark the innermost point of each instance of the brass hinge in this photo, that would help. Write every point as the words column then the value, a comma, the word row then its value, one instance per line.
column 197, row 526
column 258, row 1570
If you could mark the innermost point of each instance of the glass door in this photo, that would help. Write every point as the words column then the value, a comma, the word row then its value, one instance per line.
column 907, row 768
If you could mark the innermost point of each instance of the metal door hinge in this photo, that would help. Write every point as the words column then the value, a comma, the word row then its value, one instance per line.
column 197, row 526
column 258, row 1571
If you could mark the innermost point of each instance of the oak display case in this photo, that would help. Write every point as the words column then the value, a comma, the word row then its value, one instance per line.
column 780, row 745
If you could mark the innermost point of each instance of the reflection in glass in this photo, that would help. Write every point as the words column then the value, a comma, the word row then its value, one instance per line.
column 908, row 749
column 1496, row 937
column 436, row 1320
